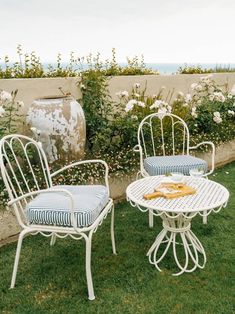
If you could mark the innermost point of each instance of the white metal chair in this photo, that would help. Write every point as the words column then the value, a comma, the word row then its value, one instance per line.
column 53, row 211
column 163, row 144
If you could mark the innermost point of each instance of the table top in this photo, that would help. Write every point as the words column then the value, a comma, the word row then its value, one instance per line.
column 209, row 195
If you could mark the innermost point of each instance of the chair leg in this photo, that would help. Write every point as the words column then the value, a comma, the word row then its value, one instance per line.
column 204, row 218
column 91, row 295
column 112, row 232
column 17, row 257
column 53, row 239
column 150, row 219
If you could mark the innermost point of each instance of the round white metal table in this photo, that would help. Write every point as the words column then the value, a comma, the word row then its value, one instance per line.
column 176, row 215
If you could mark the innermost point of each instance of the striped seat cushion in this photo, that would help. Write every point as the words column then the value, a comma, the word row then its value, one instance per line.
column 54, row 208
column 158, row 165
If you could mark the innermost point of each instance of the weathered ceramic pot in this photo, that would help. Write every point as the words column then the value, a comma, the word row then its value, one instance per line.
column 59, row 124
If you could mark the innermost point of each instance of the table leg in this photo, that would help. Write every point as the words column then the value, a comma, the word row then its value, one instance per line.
column 192, row 247
column 150, row 219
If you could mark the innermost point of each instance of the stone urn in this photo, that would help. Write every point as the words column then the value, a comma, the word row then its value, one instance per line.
column 58, row 122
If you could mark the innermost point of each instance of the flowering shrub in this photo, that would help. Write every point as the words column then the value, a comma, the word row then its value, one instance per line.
column 194, row 69
column 197, row 69
column 29, row 65
column 9, row 112
column 209, row 111
column 10, row 119
column 112, row 126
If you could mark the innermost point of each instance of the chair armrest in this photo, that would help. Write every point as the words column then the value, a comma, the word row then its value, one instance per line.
column 73, row 220
column 212, row 155
column 79, row 163
column 203, row 143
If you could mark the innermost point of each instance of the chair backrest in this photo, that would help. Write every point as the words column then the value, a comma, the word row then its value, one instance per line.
column 24, row 167
column 163, row 134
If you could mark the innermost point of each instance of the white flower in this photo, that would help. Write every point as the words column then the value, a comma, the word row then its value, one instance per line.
column 216, row 114
column 2, row 111
column 137, row 85
column 211, row 89
column 199, row 88
column 122, row 94
column 232, row 92
column 187, row 98
column 130, row 105
column 206, row 79
column 169, row 108
column 5, row 96
column 141, row 104
column 217, row 120
column 136, row 95
column 211, row 97
column 193, row 112
column 231, row 112
column 218, row 96
column 20, row 103
column 162, row 111
column 158, row 103
column 193, row 86
column 196, row 97
column 82, row 86
column 162, row 106
column 125, row 93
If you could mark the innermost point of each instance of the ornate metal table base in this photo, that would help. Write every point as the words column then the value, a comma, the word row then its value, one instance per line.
column 172, row 226
column 176, row 215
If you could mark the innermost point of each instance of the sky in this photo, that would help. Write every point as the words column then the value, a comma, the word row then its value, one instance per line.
column 188, row 31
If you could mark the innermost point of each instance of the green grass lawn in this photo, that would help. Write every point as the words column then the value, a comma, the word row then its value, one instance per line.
column 52, row 279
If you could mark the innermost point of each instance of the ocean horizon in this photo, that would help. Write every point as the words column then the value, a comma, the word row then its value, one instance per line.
column 162, row 68
column 170, row 68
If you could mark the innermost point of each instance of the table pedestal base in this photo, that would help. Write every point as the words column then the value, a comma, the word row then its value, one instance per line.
column 192, row 247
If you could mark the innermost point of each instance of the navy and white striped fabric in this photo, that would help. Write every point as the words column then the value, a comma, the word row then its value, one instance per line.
column 54, row 208
column 158, row 165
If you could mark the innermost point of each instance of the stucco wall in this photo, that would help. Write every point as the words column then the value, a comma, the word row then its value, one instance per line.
column 175, row 83
column 30, row 89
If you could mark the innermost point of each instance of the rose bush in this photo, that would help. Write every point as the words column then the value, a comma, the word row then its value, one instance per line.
column 208, row 112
